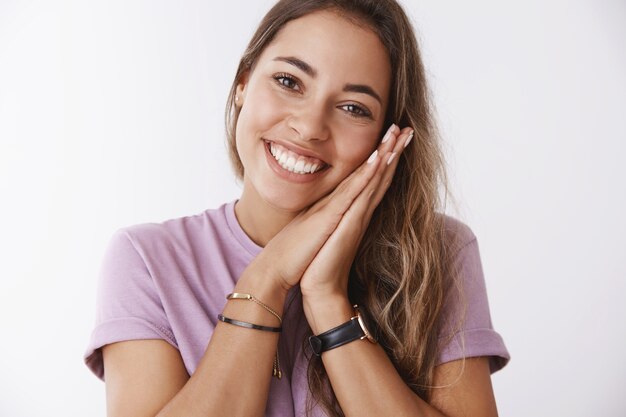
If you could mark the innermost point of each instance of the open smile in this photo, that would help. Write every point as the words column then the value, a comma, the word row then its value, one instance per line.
column 291, row 166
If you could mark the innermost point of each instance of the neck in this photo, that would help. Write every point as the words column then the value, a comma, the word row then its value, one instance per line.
column 260, row 220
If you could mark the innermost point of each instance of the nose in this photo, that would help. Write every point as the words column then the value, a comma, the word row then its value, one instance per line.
column 310, row 122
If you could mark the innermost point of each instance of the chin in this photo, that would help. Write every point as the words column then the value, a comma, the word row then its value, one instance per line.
column 291, row 204
column 282, row 196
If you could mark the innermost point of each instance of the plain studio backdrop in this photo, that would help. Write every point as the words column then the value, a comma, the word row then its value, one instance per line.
column 111, row 114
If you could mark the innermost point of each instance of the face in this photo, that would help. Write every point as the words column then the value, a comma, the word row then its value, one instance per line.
column 312, row 109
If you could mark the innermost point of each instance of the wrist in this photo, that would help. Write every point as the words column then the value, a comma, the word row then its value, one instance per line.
column 260, row 284
column 264, row 267
column 325, row 313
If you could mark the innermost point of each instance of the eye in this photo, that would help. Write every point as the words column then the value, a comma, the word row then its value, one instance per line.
column 356, row 111
column 287, row 81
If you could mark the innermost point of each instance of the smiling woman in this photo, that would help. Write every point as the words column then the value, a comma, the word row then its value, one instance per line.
column 334, row 285
column 322, row 77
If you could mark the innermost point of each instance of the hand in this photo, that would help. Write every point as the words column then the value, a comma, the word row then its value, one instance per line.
column 327, row 274
column 289, row 254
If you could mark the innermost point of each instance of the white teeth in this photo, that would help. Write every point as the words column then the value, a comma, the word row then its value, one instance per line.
column 290, row 163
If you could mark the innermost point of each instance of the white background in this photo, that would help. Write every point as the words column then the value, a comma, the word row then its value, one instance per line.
column 111, row 114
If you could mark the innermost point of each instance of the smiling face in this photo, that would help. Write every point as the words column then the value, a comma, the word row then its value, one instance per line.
column 315, row 100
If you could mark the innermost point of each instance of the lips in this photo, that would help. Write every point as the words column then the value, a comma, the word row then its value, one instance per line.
column 288, row 171
column 293, row 161
column 298, row 152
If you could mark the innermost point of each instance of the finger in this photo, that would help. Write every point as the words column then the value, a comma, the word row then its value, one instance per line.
column 318, row 223
column 364, row 206
column 390, row 163
column 387, row 143
column 340, row 217
column 343, row 195
column 386, row 167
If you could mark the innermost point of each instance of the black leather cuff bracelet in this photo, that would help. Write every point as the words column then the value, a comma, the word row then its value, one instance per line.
column 340, row 335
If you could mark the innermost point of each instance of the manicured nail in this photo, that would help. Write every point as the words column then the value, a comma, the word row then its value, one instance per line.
column 393, row 155
column 372, row 157
column 408, row 140
column 388, row 134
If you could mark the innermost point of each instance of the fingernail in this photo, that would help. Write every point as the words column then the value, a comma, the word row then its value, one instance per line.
column 372, row 157
column 408, row 140
column 388, row 134
column 393, row 155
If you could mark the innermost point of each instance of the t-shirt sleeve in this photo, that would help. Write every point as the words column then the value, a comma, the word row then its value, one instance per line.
column 467, row 330
column 128, row 305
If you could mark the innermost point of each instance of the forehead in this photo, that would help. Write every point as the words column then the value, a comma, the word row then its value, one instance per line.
column 334, row 44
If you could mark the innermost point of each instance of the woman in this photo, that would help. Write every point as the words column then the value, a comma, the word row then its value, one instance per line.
column 339, row 208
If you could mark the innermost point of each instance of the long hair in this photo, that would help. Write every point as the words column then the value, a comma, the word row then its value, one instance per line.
column 401, row 272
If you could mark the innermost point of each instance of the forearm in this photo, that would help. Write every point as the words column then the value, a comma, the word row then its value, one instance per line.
column 362, row 376
column 233, row 377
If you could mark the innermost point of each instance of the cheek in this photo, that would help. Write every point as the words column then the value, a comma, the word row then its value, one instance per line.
column 357, row 146
column 262, row 108
column 254, row 119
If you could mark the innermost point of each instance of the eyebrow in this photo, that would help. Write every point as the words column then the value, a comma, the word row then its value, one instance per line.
column 310, row 71
column 306, row 68
column 363, row 89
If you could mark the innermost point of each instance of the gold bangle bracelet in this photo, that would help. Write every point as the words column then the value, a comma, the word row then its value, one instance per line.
column 276, row 372
column 244, row 296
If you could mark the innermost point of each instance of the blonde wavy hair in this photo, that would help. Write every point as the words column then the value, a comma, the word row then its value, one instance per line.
column 403, row 267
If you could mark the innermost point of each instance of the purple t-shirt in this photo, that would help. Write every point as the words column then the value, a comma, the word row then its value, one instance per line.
column 169, row 281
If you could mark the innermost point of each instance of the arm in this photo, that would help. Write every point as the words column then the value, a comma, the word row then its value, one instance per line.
column 367, row 384
column 363, row 378
column 234, row 374
column 148, row 377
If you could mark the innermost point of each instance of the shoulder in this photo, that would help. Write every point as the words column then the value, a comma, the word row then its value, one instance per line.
column 170, row 229
column 466, row 327
column 461, row 255
column 456, row 234
column 180, row 234
column 141, row 252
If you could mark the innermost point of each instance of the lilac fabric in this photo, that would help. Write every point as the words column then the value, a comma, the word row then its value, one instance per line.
column 169, row 280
